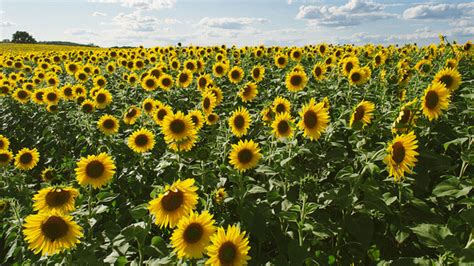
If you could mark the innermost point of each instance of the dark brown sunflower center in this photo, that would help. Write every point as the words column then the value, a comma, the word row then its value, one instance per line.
column 359, row 113
column 87, row 108
column 195, row 119
column 26, row 158
column 318, row 71
column 109, row 124
column 101, row 82
column 131, row 113
column 172, row 200
column 431, row 99
column 166, row 82
column 281, row 108
column 101, row 98
column 4, row 157
column 193, row 233
column 227, row 253
column 82, row 76
column 150, row 83
column 245, row 156
column 219, row 69
column 58, row 197
column 51, row 96
column 183, row 77
column 447, row 80
column 378, row 59
column 256, row 72
column 48, row 175
column 67, row 92
column 310, row 119
column 235, row 74
column 22, row 94
column 206, row 103
column 247, row 91
column 349, row 66
column 239, row 121
column 406, row 116
column 161, row 114
column 39, row 95
column 54, row 228
column 398, row 152
column 281, row 60
column 177, row 126
column 95, row 169
column 141, row 140
column 296, row 54
column 355, row 77
column 212, row 117
column 202, row 82
column 283, row 127
column 296, row 80
column 2, row 144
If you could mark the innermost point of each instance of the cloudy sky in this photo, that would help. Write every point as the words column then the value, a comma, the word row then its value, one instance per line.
column 241, row 22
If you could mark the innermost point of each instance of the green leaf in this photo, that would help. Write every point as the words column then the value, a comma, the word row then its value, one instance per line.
column 431, row 235
column 257, row 189
column 458, row 141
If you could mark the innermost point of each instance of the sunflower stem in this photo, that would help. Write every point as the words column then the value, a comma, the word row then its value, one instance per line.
column 89, row 209
column 400, row 201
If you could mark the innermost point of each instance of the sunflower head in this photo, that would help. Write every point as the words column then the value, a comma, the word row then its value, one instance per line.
column 362, row 115
column 314, row 119
column 236, row 74
column 27, row 159
column 177, row 127
column 48, row 174
column 142, row 140
column 55, row 200
column 282, row 126
column 95, row 170
column 228, row 247
column 131, row 115
column 239, row 122
column 108, row 124
column 248, row 92
column 296, row 80
column 4, row 143
column 245, row 155
column 401, row 155
column 450, row 77
column 436, row 99
column 5, row 157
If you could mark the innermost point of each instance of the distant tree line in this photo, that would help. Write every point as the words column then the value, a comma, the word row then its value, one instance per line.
column 25, row 37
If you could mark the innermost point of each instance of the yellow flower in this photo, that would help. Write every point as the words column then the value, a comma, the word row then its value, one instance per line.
column 248, row 92
column 228, row 247
column 314, row 119
column 5, row 157
column 108, row 124
column 435, row 100
column 245, row 155
column 449, row 77
column 177, row 127
column 4, row 142
column 95, row 170
column 236, row 74
column 55, row 200
column 401, row 155
column 362, row 114
column 27, row 159
column 296, row 80
column 239, row 122
column 142, row 140
column 282, row 125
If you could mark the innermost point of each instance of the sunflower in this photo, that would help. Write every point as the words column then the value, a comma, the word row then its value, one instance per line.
column 401, row 155
column 185, row 78
column 161, row 112
column 362, row 114
column 406, row 117
column 142, row 140
column 248, row 92
column 192, row 235
column 197, row 118
column 450, row 77
column 131, row 115
column 88, row 106
column 318, row 71
column 4, row 142
column 240, row 121
column 296, row 80
column 236, row 74
column 22, row 95
column 348, row 64
column 435, row 100
column 108, row 124
column 149, row 83
column 212, row 118
column 203, row 81
column 258, row 73
column 281, row 105
column 27, row 159
column 48, row 174
column 296, row 54
column 149, row 105
column 5, row 157
column 81, row 76
column 314, row 119
column 220, row 195
column 282, row 125
column 184, row 145
column 228, row 247
column 102, row 98
column 219, row 69
column 165, row 82
column 176, row 202
column 67, row 92
column 51, row 233
column 281, row 60
column 451, row 63
column 209, row 102
column 55, row 200
column 357, row 76
column 52, row 108
column 267, row 114
column 423, row 66
column 38, row 96
column 177, row 127
column 100, row 81
column 245, row 155
column 95, row 170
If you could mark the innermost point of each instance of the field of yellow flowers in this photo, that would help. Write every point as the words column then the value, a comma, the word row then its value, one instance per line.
column 314, row 155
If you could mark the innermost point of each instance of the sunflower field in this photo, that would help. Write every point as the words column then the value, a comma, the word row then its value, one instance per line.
column 315, row 155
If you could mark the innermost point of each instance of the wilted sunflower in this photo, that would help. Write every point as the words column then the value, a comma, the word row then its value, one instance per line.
column 248, row 92
column 197, row 118
column 449, row 77
column 192, row 235
column 141, row 140
column 131, row 115
column 209, row 102
column 55, row 200
column 177, row 127
column 27, row 159
column 5, row 157
column 244, row 155
column 401, row 155
column 282, row 125
column 176, row 202
column 108, row 124
column 149, row 83
column 281, row 105
column 296, row 80
column 165, row 82
column 240, row 121
column 103, row 98
column 95, row 170
column 229, row 247
column 4, row 142
column 51, row 233
column 258, row 73
column 48, row 174
column 435, row 99
column 184, row 78
column 318, row 71
column 314, row 119
column 236, row 74
column 362, row 114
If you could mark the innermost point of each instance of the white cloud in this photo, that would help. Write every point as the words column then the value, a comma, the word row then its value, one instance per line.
column 80, row 32
column 354, row 12
column 439, row 11
column 135, row 21
column 6, row 24
column 140, row 4
column 231, row 23
column 98, row 14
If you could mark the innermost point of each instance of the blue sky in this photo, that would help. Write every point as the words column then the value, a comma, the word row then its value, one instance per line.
column 247, row 22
